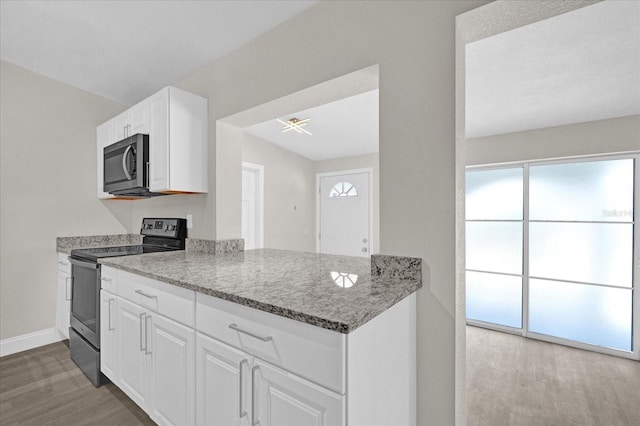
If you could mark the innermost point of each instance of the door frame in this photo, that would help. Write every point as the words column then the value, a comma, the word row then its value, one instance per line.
column 340, row 173
column 259, row 170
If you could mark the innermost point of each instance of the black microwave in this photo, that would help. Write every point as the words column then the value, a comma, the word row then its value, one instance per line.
column 126, row 167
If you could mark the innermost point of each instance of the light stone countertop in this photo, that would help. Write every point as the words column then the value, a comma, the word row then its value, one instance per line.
column 297, row 285
column 66, row 244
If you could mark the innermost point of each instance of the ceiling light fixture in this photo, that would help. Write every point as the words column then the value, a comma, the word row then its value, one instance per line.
column 294, row 124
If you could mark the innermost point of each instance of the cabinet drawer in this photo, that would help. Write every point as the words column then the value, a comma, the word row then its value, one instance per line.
column 311, row 352
column 169, row 300
column 108, row 278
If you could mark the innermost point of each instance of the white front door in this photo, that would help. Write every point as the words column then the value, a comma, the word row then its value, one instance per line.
column 252, row 219
column 344, row 214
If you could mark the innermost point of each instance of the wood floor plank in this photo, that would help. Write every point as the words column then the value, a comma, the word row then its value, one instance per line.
column 44, row 387
column 512, row 380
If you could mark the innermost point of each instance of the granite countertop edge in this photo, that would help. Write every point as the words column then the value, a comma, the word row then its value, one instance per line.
column 329, row 324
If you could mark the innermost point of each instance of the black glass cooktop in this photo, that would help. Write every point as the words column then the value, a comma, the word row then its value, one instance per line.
column 95, row 253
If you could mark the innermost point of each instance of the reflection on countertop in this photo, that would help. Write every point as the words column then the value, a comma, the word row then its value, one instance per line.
column 338, row 293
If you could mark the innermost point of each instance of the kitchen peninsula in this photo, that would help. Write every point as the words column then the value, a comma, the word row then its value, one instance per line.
column 263, row 336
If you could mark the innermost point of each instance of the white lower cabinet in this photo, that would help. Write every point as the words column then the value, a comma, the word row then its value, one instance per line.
column 63, row 299
column 284, row 399
column 108, row 340
column 171, row 348
column 222, row 384
column 131, row 348
column 187, row 358
column 234, row 388
column 149, row 356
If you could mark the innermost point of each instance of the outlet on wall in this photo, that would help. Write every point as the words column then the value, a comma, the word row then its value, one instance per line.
column 189, row 221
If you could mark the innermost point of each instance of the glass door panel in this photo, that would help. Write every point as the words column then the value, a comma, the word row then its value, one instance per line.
column 590, row 191
column 599, row 253
column 585, row 313
column 494, row 298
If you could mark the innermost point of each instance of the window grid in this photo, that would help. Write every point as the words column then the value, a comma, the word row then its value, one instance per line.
column 635, row 299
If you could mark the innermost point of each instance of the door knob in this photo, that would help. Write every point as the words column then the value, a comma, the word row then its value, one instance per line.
column 364, row 240
column 364, row 249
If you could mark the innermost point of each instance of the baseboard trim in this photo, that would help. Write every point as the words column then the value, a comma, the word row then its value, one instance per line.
column 25, row 342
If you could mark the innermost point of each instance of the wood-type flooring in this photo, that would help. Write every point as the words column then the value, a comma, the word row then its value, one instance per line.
column 512, row 380
column 43, row 386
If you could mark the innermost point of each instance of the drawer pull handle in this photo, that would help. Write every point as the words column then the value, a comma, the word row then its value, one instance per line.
column 143, row 330
column 63, row 263
column 147, row 351
column 105, row 279
column 110, row 305
column 254, row 413
column 149, row 296
column 235, row 327
column 241, row 412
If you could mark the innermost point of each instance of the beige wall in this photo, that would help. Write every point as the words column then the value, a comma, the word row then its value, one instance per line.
column 289, row 196
column 595, row 137
column 413, row 43
column 47, row 189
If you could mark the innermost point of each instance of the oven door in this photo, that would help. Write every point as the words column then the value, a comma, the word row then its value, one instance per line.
column 85, row 300
column 125, row 164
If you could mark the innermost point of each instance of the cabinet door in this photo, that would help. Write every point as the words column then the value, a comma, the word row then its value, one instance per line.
column 222, row 384
column 284, row 399
column 108, row 342
column 63, row 306
column 159, row 141
column 131, row 341
column 172, row 387
column 139, row 118
column 104, row 137
column 121, row 126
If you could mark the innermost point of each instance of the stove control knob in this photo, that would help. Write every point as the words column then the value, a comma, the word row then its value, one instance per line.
column 166, row 227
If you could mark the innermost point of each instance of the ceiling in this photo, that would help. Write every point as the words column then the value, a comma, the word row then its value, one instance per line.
column 341, row 128
column 576, row 67
column 127, row 50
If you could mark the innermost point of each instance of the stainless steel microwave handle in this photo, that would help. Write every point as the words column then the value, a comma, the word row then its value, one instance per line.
column 148, row 176
column 124, row 163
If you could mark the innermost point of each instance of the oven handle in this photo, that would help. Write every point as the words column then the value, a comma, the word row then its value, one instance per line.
column 84, row 263
column 124, row 163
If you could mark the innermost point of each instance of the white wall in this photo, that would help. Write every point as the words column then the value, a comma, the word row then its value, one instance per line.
column 413, row 43
column 591, row 138
column 289, row 195
column 47, row 189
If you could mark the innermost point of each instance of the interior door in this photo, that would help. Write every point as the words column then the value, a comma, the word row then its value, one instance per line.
column 222, row 384
column 344, row 214
column 252, row 220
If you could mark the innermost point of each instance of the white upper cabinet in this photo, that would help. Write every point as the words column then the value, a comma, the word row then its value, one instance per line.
column 178, row 142
column 132, row 121
column 176, row 122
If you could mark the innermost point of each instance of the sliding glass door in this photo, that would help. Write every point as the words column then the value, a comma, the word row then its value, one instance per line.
column 550, row 250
